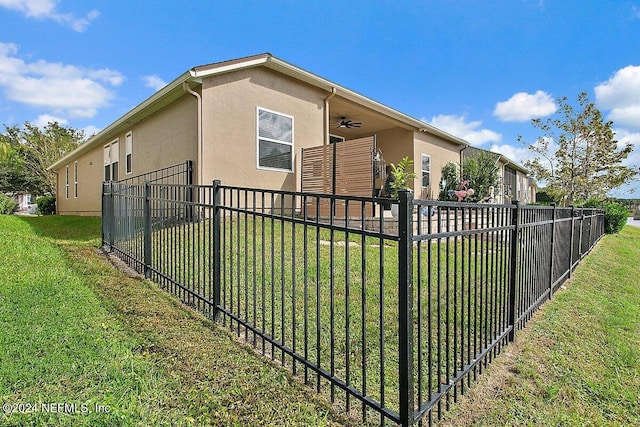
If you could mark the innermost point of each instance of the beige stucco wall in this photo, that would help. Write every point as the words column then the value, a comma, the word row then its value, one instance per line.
column 395, row 144
column 230, row 103
column 441, row 152
column 165, row 138
column 90, row 173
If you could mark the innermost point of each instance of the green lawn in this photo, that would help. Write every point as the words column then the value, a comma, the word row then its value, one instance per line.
column 578, row 362
column 337, row 305
column 116, row 350
column 75, row 330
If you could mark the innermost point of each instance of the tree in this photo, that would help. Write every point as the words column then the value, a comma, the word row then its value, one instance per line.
column 481, row 171
column 25, row 154
column 578, row 155
column 448, row 182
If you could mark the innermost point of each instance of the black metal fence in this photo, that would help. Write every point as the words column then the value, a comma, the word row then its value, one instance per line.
column 391, row 318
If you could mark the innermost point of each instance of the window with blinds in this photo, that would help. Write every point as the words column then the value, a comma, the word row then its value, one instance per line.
column 275, row 141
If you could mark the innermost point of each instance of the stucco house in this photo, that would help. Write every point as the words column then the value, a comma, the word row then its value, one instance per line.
column 514, row 180
column 249, row 122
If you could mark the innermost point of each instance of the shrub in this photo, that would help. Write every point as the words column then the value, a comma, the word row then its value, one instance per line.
column 46, row 205
column 615, row 217
column 615, row 214
column 7, row 205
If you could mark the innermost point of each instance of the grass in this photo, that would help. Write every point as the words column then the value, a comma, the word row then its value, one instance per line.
column 578, row 362
column 77, row 331
column 337, row 305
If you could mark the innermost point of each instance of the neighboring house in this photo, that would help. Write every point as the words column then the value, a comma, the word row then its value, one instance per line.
column 26, row 202
column 516, row 183
column 514, row 180
column 248, row 123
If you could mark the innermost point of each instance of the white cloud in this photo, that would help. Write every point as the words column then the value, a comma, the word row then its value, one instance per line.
column 517, row 154
column 44, row 119
column 47, row 9
column 62, row 89
column 91, row 130
column 523, row 107
column 458, row 126
column 621, row 95
column 624, row 137
column 154, row 82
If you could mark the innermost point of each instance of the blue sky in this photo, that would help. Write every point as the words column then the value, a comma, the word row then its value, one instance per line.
column 477, row 69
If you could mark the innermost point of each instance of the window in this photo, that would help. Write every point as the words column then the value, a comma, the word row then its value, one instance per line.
column 275, row 141
column 128, row 147
column 426, row 170
column 115, row 155
column 75, row 179
column 66, row 187
column 111, row 156
column 107, row 163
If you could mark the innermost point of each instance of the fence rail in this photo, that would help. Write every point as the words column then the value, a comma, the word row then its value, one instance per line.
column 393, row 319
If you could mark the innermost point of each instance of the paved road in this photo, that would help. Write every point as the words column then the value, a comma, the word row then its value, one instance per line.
column 634, row 222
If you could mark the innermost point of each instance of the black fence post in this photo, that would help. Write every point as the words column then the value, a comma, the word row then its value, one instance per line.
column 513, row 267
column 553, row 233
column 571, row 239
column 111, row 213
column 104, row 223
column 189, row 196
column 405, row 307
column 580, row 253
column 591, row 211
column 216, row 247
column 147, row 229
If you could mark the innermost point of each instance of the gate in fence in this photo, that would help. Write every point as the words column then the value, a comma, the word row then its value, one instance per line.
column 392, row 318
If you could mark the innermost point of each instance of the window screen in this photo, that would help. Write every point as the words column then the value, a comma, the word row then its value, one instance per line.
column 275, row 141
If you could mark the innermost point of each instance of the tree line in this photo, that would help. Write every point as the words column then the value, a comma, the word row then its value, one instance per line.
column 27, row 151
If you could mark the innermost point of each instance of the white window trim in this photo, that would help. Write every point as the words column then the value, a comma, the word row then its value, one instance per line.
column 128, row 151
column 110, row 161
column 258, row 138
column 106, row 161
column 422, row 171
column 66, row 187
column 75, row 179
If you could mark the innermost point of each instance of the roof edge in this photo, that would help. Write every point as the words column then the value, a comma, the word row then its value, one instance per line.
column 269, row 61
column 112, row 128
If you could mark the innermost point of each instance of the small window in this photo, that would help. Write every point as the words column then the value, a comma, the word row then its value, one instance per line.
column 66, row 186
column 115, row 155
column 275, row 141
column 75, row 179
column 107, row 163
column 111, row 156
column 128, row 147
column 426, row 170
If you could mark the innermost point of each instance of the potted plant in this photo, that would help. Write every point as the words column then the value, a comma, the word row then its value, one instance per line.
column 399, row 178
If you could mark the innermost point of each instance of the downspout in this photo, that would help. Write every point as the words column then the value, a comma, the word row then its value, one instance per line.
column 460, row 155
column 325, row 143
column 185, row 86
column 56, row 194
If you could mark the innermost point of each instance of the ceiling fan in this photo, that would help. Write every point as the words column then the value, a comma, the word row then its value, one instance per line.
column 345, row 123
